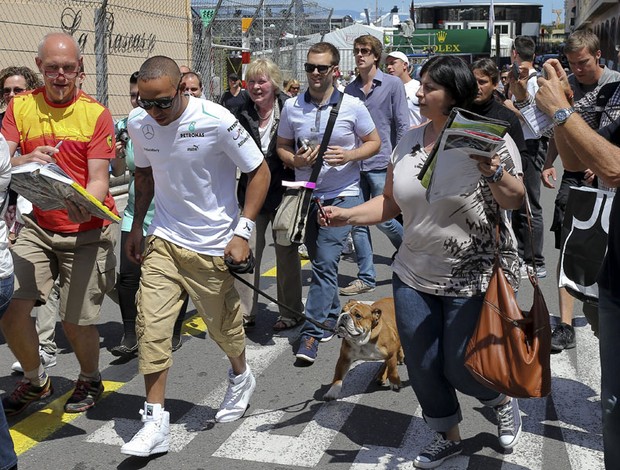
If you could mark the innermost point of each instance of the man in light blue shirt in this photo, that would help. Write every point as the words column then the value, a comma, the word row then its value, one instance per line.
column 354, row 138
column 385, row 98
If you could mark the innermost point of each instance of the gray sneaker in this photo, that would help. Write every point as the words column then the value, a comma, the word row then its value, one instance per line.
column 437, row 451
column 356, row 287
column 508, row 423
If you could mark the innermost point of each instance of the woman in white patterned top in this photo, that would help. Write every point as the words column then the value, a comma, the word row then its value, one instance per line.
column 444, row 264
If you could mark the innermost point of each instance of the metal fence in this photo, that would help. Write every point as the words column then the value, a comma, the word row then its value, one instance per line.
column 213, row 37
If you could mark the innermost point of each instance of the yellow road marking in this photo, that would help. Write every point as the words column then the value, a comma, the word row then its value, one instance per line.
column 272, row 272
column 37, row 427
column 194, row 326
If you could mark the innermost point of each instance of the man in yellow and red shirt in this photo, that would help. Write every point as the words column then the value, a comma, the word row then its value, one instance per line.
column 69, row 244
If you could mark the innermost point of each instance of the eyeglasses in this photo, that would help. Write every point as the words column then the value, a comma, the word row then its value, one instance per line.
column 16, row 90
column 361, row 50
column 161, row 103
column 294, row 88
column 70, row 73
column 323, row 69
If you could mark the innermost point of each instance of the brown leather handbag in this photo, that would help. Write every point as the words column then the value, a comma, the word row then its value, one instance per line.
column 510, row 350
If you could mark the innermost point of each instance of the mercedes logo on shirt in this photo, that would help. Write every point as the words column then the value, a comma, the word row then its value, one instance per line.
column 148, row 131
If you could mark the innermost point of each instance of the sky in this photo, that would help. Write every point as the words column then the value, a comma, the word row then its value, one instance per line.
column 403, row 6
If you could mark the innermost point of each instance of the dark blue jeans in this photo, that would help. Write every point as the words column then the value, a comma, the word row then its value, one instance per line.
column 8, row 458
column 324, row 248
column 434, row 331
column 609, row 344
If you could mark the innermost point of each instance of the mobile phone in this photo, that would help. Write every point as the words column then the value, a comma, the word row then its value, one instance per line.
column 303, row 144
column 317, row 201
column 515, row 71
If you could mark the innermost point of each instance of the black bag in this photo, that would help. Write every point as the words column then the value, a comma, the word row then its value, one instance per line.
column 584, row 240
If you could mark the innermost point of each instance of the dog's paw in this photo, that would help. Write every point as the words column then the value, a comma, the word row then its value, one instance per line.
column 395, row 386
column 332, row 393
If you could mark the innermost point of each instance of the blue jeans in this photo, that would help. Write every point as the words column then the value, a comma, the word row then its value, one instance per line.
column 324, row 248
column 371, row 184
column 609, row 333
column 8, row 458
column 434, row 332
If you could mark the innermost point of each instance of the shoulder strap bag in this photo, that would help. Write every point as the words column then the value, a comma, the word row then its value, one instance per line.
column 510, row 349
column 292, row 215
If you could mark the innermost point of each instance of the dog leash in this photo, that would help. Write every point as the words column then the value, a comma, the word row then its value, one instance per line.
column 248, row 267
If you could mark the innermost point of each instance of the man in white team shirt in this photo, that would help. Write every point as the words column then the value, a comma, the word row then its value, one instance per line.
column 186, row 152
column 397, row 64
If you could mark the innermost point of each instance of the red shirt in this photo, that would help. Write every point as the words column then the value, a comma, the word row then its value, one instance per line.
column 87, row 130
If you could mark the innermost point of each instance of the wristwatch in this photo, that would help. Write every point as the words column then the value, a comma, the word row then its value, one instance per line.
column 495, row 177
column 562, row 115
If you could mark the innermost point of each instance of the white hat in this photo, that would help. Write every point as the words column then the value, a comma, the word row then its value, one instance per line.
column 399, row 55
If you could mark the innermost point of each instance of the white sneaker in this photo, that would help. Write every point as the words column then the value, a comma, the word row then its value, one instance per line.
column 303, row 251
column 154, row 437
column 237, row 398
column 47, row 360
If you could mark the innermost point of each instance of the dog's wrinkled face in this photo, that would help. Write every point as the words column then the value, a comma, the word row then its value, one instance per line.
column 356, row 322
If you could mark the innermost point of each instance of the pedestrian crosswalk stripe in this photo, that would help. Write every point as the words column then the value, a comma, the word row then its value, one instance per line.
column 118, row 431
column 37, row 427
column 308, row 447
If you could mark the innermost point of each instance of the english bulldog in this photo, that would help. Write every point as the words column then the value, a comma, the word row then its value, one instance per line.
column 368, row 333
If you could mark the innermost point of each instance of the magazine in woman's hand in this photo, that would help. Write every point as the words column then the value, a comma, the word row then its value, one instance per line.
column 448, row 170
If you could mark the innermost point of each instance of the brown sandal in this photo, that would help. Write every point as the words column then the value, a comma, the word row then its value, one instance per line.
column 285, row 323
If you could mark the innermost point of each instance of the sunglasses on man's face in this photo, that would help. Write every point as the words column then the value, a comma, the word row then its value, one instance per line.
column 361, row 50
column 161, row 103
column 309, row 68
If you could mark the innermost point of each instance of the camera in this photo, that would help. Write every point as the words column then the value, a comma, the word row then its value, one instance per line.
column 122, row 136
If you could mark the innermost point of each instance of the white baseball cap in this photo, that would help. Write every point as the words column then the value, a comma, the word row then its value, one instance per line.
column 399, row 55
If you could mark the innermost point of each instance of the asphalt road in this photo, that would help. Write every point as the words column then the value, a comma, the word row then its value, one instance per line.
column 288, row 425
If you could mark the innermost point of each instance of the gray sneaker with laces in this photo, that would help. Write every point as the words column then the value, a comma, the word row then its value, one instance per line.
column 437, row 451
column 508, row 423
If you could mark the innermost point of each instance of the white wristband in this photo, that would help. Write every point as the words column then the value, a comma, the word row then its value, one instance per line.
column 245, row 227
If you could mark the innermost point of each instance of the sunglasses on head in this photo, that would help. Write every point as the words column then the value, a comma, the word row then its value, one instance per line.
column 16, row 90
column 309, row 68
